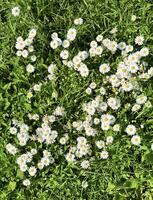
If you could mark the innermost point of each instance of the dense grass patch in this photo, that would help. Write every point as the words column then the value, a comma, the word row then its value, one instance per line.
column 128, row 171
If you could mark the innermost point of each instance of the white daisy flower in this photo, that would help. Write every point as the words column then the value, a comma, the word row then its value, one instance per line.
column 104, row 155
column 30, row 68
column 85, row 164
column 64, row 54
column 104, row 68
column 99, row 38
column 65, row 43
column 32, row 171
column 78, row 21
column 139, row 40
column 133, row 18
column 136, row 140
column 130, row 129
column 71, row 34
column 26, row 182
column 16, row 11
column 54, row 44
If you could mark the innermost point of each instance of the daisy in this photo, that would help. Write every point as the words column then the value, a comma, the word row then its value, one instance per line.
column 78, row 21
column 85, row 164
column 30, row 68
column 139, row 40
column 26, row 182
column 104, row 68
column 104, row 154
column 71, row 34
column 100, row 144
column 64, row 54
column 54, row 44
column 65, row 43
column 16, row 11
column 144, row 52
column 136, row 140
column 99, row 38
column 32, row 171
column 130, row 130
column 133, row 18
column 141, row 99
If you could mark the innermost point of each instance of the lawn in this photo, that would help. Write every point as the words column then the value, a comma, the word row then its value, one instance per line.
column 53, row 112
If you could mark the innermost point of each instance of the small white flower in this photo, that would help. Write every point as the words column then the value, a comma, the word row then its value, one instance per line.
column 85, row 164
column 98, row 50
column 71, row 34
column 20, row 45
column 121, row 45
column 78, row 21
column 19, row 39
column 11, row 149
column 84, row 184
column 52, row 68
column 88, row 90
column 70, row 157
column 114, row 30
column 133, row 67
column 54, row 44
column 32, row 33
column 33, row 151
column 152, row 146
column 96, row 121
column 141, row 99
column 136, row 140
column 144, row 52
column 16, row 11
column 63, row 140
column 66, row 43
column 104, row 68
column 30, row 68
column 37, row 87
column 30, row 48
column 33, row 58
column 139, row 40
column 93, row 44
column 13, row 130
column 84, row 71
column 130, row 130
column 26, row 182
column 102, row 91
column 133, row 18
column 136, row 107
column 99, row 38
column 100, row 144
column 92, row 85
column 116, row 127
column 109, row 140
column 129, row 48
column 104, row 154
column 40, row 165
column 19, row 53
column 45, row 161
column 32, row 171
column 114, row 103
column 23, row 168
column 25, row 53
column 64, row 54
column 28, row 41
column 54, row 36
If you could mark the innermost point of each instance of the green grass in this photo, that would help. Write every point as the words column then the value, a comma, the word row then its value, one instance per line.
column 128, row 173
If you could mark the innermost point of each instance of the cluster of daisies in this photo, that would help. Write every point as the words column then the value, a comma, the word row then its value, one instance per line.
column 122, row 77
column 25, row 47
column 93, row 134
column 44, row 134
